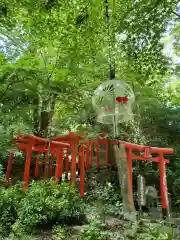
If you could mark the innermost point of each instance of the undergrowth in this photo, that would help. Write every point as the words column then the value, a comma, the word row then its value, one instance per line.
column 95, row 231
column 108, row 198
column 2, row 175
column 61, row 233
column 58, row 207
column 43, row 205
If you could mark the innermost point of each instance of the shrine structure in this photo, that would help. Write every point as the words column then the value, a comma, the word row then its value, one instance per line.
column 82, row 158
column 145, row 155
column 32, row 144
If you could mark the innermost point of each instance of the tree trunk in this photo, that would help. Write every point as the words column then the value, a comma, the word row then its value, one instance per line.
column 46, row 117
column 44, row 123
column 42, row 119
column 36, row 117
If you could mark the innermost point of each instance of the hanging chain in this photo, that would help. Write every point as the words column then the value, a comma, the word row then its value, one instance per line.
column 111, row 62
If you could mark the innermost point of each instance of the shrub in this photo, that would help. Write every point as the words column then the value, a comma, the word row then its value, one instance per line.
column 109, row 199
column 24, row 237
column 1, row 174
column 144, row 229
column 9, row 204
column 47, row 203
column 95, row 231
column 107, row 194
column 61, row 233
column 115, row 210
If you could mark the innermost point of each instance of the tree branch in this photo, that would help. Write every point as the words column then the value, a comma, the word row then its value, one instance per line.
column 55, row 65
column 178, row 15
column 10, row 84
column 154, row 7
column 45, row 64
column 48, row 76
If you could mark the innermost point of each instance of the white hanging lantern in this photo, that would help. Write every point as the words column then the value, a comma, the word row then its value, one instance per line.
column 113, row 101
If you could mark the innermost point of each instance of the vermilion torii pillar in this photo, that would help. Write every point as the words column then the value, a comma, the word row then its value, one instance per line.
column 74, row 140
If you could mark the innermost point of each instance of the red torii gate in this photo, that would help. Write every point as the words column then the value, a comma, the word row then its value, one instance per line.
column 29, row 144
column 130, row 147
column 70, row 142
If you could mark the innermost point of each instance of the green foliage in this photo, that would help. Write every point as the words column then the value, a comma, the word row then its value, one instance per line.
column 108, row 198
column 43, row 203
column 61, row 233
column 138, row 231
column 50, row 64
column 2, row 175
column 46, row 202
column 95, row 231
column 106, row 194
column 9, row 207
column 67, row 55
column 23, row 237
column 146, row 230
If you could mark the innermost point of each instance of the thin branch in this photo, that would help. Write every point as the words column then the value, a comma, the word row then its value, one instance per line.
column 178, row 15
column 48, row 76
column 55, row 65
column 8, row 30
column 8, row 87
column 4, row 93
column 13, row 40
column 45, row 64
column 153, row 8
column 10, row 84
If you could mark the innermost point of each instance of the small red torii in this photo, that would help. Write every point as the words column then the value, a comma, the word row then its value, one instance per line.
column 56, row 147
column 130, row 157
column 29, row 144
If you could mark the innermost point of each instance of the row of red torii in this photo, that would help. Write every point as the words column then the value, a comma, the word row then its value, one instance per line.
column 73, row 145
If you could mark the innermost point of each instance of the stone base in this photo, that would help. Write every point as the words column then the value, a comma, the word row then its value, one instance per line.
column 130, row 216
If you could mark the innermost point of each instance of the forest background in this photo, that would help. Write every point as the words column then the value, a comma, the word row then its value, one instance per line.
column 53, row 54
